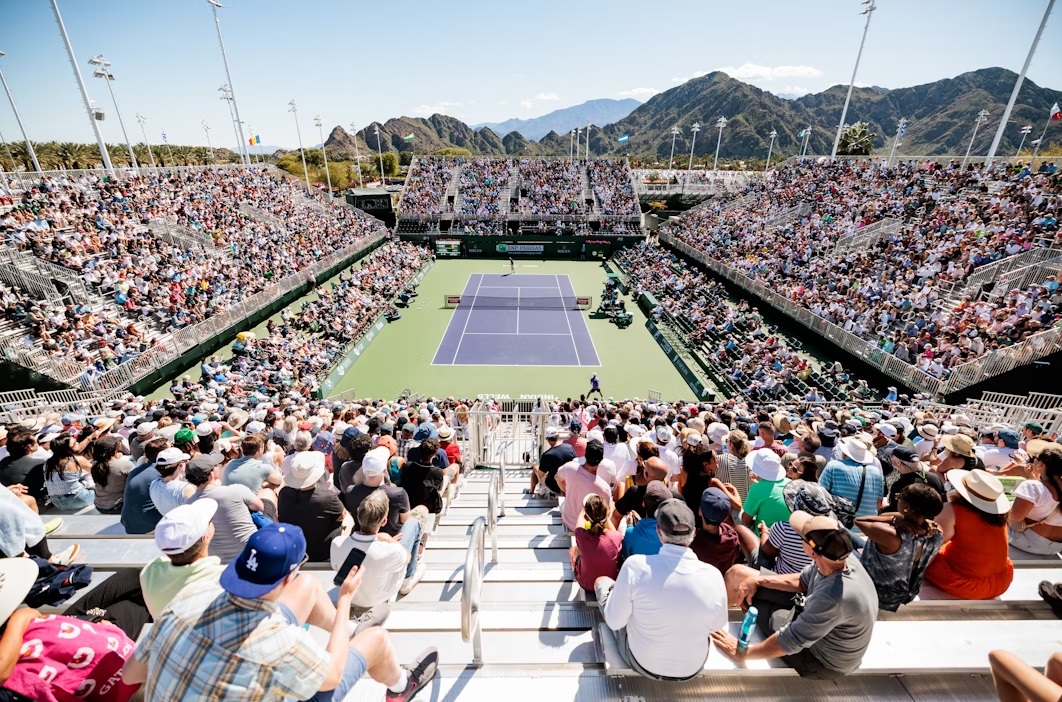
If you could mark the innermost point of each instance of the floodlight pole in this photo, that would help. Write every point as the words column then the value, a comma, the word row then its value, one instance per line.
column 675, row 131
column 869, row 12
column 1017, row 86
column 293, row 110
column 1025, row 131
column 587, row 140
column 1039, row 142
column 22, row 127
column 361, row 183
column 226, row 95
column 103, row 71
column 981, row 117
column 807, row 138
column 721, row 122
column 696, row 128
column 379, row 148
column 210, row 148
column 143, row 120
column 106, row 157
column 245, row 156
column 320, row 130
column 770, row 149
column 900, row 126
column 571, row 142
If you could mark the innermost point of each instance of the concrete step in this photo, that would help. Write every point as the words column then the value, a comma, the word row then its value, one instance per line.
column 511, row 519
column 435, row 555
column 505, row 530
column 500, row 591
column 543, row 648
column 506, row 540
column 471, row 511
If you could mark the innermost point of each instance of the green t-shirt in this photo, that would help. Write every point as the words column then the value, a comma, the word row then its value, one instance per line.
column 765, row 502
column 161, row 580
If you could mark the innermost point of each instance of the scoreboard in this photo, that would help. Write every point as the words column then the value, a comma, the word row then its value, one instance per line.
column 447, row 248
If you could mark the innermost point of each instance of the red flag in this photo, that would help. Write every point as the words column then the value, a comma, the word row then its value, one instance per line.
column 1056, row 113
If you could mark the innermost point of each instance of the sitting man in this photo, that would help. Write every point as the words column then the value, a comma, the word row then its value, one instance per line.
column 827, row 637
column 251, row 469
column 664, row 607
column 183, row 536
column 544, row 475
column 245, row 638
column 641, row 537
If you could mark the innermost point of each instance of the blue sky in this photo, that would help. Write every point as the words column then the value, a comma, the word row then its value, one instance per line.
column 475, row 60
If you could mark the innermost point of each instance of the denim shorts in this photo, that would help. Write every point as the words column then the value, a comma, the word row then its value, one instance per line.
column 1031, row 542
column 355, row 668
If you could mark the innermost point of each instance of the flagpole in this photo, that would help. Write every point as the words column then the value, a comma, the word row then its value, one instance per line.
column 379, row 148
column 1017, row 86
column 896, row 140
column 1039, row 143
column 587, row 140
column 357, row 156
column 869, row 12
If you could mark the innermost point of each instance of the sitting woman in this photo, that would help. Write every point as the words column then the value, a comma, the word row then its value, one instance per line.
column 901, row 544
column 973, row 563
column 1035, row 519
column 66, row 476
column 110, row 467
column 55, row 657
column 597, row 544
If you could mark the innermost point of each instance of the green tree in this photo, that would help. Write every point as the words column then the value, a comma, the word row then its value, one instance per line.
column 453, row 151
column 390, row 161
column 856, row 140
column 314, row 157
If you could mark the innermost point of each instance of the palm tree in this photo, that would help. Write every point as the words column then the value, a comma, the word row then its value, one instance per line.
column 856, row 140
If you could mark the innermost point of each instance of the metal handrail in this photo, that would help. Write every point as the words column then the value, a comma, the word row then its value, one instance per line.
column 472, row 591
column 492, row 517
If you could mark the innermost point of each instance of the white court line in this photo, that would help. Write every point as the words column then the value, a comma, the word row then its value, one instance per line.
column 517, row 334
column 470, row 307
column 518, row 294
column 569, row 323
column 511, row 365
column 517, row 287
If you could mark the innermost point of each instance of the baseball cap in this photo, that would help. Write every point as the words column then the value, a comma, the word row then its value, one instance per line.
column 715, row 506
column 171, row 456
column 825, row 535
column 145, row 428
column 184, row 525
column 656, row 494
column 886, row 429
column 205, row 429
column 1035, row 427
column 375, row 461
column 575, row 425
column 552, row 432
column 255, row 427
column 905, row 454
column 198, row 469
column 269, row 556
column 184, row 436
column 675, row 518
column 425, row 431
column 1010, row 438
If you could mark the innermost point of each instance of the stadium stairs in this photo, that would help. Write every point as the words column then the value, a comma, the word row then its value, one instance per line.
column 542, row 635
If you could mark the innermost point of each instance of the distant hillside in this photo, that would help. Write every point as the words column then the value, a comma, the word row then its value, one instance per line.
column 940, row 120
column 601, row 112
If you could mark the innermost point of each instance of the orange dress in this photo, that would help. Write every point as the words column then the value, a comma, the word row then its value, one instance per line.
column 975, row 564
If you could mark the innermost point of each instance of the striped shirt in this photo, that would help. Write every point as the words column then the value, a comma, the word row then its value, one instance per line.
column 842, row 479
column 791, row 556
column 209, row 644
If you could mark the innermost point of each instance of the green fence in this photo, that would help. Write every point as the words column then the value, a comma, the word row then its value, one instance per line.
column 680, row 365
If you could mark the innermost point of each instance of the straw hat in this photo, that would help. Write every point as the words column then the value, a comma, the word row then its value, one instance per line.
column 856, row 450
column 959, row 444
column 981, row 489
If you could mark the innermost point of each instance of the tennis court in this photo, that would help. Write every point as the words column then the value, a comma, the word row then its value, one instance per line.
column 517, row 320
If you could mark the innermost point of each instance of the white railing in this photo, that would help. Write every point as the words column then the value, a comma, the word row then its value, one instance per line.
column 983, row 275
column 959, row 377
column 472, row 590
column 867, row 236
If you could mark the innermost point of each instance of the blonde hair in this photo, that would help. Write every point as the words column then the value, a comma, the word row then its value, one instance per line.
column 596, row 511
column 739, row 442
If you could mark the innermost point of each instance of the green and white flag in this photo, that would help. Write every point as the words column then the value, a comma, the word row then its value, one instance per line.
column 408, row 139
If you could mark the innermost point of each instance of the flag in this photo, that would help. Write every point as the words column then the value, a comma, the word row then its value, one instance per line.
column 164, row 136
column 624, row 139
column 1056, row 113
column 251, row 141
column 257, row 139
column 408, row 139
column 801, row 134
column 902, row 130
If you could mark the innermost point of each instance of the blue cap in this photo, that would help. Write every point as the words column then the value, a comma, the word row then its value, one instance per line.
column 1010, row 438
column 348, row 434
column 425, row 431
column 715, row 506
column 576, row 425
column 270, row 555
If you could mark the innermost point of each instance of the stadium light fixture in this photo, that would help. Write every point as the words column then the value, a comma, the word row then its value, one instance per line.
column 1017, row 86
column 354, row 133
column 901, row 129
column 22, row 127
column 868, row 11
column 981, row 117
column 675, row 131
column 210, row 147
column 695, row 128
column 807, row 138
column 104, row 156
column 294, row 110
column 1025, row 131
column 320, row 130
column 103, row 70
column 245, row 156
column 587, row 140
column 770, row 149
column 142, row 120
column 379, row 149
column 571, row 142
column 720, row 123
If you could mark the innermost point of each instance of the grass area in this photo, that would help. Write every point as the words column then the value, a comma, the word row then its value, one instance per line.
column 400, row 357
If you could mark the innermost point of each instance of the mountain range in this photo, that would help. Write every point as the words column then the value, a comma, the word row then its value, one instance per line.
column 562, row 121
column 940, row 120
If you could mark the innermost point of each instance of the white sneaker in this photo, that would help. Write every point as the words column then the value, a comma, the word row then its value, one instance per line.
column 542, row 491
column 411, row 582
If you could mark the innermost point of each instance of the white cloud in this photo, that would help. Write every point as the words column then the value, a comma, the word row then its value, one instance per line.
column 547, row 97
column 527, row 103
column 791, row 91
column 753, row 72
column 683, row 79
column 439, row 107
column 638, row 93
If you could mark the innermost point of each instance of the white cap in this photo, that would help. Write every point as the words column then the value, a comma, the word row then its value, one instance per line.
column 663, row 433
column 171, row 456
column 205, row 429
column 718, row 432
column 886, row 429
column 375, row 461
column 129, row 421
column 184, row 525
column 552, row 432
column 255, row 427
column 146, row 428
column 595, row 434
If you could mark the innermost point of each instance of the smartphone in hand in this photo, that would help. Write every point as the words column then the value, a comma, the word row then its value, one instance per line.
column 353, row 560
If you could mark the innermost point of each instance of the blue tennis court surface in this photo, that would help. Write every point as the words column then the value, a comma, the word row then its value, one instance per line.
column 507, row 334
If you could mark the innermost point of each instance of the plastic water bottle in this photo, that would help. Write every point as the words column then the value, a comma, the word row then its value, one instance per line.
column 747, row 625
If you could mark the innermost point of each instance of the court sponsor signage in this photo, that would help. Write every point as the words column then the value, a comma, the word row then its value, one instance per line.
column 520, row 248
column 677, row 361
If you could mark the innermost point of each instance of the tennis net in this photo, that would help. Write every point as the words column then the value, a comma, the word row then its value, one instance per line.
column 497, row 302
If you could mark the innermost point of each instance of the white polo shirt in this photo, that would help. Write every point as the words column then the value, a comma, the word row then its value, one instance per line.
column 680, row 601
column 384, row 567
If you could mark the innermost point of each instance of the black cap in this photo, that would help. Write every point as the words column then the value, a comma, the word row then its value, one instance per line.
column 905, row 454
column 656, row 494
column 675, row 518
